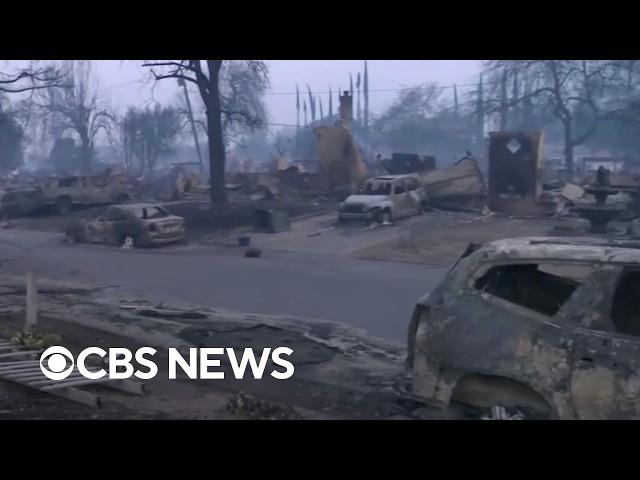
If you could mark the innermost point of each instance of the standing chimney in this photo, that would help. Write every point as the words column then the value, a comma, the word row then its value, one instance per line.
column 346, row 109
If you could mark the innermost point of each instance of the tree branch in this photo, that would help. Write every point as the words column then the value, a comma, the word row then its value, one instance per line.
column 48, row 76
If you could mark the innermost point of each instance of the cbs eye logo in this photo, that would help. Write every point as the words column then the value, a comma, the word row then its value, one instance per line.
column 56, row 363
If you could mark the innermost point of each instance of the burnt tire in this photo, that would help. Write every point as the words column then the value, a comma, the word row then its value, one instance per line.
column 71, row 235
column 383, row 216
column 63, row 205
column 122, row 240
column 476, row 396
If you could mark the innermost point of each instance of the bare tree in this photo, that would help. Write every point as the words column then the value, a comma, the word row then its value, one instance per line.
column 31, row 79
column 17, row 89
column 563, row 87
column 11, row 136
column 150, row 133
column 227, row 103
column 78, row 108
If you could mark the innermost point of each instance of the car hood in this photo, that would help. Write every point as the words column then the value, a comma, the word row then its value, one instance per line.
column 368, row 200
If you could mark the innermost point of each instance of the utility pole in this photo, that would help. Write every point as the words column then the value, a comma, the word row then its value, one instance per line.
column 183, row 84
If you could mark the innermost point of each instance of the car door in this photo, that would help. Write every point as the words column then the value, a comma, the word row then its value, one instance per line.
column 513, row 323
column 414, row 198
column 605, row 376
column 97, row 191
column 399, row 199
column 81, row 191
column 106, row 227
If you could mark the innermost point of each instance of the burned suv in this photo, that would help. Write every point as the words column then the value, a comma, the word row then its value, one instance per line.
column 385, row 198
column 548, row 327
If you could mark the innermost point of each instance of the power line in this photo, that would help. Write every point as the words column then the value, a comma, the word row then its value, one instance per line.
column 399, row 89
column 441, row 87
column 130, row 82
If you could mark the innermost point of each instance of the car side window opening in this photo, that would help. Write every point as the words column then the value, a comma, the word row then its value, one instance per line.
column 625, row 308
column 115, row 215
column 411, row 185
column 140, row 213
column 399, row 188
column 378, row 188
column 68, row 182
column 155, row 212
column 536, row 287
column 148, row 213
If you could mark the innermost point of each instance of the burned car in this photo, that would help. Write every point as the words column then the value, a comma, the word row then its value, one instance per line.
column 385, row 198
column 20, row 201
column 64, row 193
column 89, row 190
column 139, row 224
column 547, row 327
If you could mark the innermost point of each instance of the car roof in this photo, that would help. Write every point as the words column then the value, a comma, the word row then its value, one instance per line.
column 133, row 206
column 581, row 249
column 391, row 177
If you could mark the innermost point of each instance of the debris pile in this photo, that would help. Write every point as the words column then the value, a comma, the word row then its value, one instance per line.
column 251, row 408
column 173, row 185
column 404, row 163
column 459, row 187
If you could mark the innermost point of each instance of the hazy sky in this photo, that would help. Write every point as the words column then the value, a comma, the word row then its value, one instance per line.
column 124, row 82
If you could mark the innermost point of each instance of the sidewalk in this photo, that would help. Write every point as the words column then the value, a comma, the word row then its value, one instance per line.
column 339, row 372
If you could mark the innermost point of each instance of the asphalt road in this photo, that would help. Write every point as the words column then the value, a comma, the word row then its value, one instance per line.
column 376, row 296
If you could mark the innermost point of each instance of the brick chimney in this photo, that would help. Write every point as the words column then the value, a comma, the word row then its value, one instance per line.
column 346, row 109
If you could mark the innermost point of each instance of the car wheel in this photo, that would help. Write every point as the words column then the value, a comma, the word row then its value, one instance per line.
column 497, row 398
column 63, row 205
column 383, row 217
column 127, row 241
column 70, row 236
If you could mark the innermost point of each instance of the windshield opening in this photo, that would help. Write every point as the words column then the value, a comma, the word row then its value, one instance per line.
column 377, row 188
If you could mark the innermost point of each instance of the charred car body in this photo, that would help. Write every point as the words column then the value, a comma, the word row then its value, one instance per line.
column 385, row 198
column 64, row 193
column 144, row 224
column 547, row 326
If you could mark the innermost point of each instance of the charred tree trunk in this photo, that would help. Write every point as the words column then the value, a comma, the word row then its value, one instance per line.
column 86, row 165
column 504, row 106
column 217, row 154
column 568, row 145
